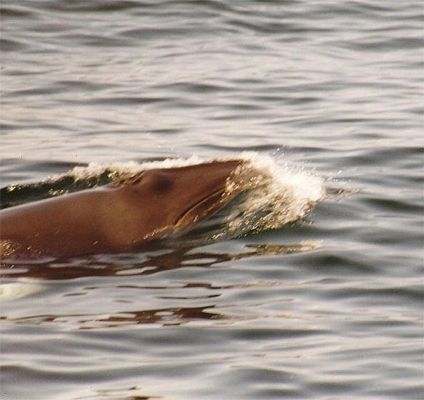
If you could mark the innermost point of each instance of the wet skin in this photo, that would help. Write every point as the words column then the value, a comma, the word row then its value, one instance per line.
column 120, row 216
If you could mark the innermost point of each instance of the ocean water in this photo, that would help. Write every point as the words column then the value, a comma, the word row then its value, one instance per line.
column 326, row 94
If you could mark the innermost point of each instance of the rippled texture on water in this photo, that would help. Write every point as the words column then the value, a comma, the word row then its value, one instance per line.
column 329, row 307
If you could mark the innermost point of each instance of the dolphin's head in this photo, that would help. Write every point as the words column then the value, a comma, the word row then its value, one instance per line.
column 172, row 199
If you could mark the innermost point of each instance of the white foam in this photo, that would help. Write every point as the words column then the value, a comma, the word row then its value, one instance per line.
column 131, row 167
column 288, row 195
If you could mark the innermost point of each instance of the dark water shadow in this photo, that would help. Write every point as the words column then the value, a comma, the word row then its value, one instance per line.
column 132, row 265
column 139, row 264
column 171, row 316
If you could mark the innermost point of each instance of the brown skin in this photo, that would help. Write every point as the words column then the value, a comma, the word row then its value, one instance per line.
column 118, row 217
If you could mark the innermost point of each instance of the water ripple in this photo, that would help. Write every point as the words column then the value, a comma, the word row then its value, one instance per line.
column 327, row 307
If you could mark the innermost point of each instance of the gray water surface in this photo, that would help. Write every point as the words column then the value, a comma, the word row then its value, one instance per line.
column 327, row 308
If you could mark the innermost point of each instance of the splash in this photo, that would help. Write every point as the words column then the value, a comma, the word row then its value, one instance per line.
column 284, row 194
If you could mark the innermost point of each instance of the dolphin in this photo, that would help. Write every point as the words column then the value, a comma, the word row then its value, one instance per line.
column 124, row 215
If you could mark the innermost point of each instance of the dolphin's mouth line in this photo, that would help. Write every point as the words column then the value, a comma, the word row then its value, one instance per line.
column 214, row 198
